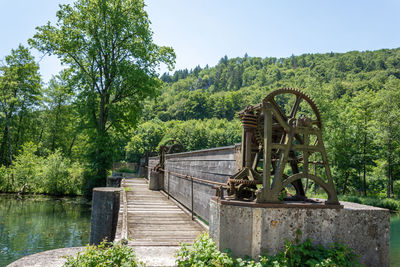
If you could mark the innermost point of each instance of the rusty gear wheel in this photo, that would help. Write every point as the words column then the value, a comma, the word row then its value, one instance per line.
column 299, row 97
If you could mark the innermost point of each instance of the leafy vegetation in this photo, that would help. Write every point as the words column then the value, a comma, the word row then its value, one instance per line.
column 82, row 114
column 53, row 174
column 104, row 255
column 204, row 252
column 386, row 203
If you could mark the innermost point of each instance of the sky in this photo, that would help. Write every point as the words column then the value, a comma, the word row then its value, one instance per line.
column 203, row 31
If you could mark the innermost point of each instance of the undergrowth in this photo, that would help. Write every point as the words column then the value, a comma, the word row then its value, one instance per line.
column 204, row 252
column 104, row 255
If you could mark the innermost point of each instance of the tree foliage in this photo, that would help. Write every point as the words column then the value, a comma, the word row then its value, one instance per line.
column 109, row 50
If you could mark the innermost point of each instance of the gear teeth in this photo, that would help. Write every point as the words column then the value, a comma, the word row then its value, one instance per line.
column 296, row 92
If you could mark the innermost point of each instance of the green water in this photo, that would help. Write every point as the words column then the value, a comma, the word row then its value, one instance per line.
column 395, row 240
column 39, row 223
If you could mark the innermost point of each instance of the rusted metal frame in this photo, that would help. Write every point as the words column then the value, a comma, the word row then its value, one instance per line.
column 249, row 134
column 243, row 147
column 267, row 146
column 251, row 108
column 332, row 195
column 295, row 106
column 305, row 158
column 277, row 182
column 280, row 117
column 192, row 197
column 168, row 175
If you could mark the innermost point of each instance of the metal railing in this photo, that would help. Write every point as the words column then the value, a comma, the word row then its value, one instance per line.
column 215, row 185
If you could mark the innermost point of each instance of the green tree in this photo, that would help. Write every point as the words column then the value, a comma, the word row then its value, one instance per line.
column 109, row 48
column 60, row 114
column 388, row 127
column 20, row 91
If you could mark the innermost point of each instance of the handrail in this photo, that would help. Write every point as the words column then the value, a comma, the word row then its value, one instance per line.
column 189, row 177
column 219, row 186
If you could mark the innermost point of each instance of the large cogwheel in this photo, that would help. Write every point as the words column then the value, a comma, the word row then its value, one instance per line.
column 299, row 97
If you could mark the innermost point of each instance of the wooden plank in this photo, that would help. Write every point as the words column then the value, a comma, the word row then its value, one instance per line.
column 154, row 220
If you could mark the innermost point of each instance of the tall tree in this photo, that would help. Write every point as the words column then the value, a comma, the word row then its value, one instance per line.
column 61, row 115
column 388, row 108
column 108, row 46
column 20, row 90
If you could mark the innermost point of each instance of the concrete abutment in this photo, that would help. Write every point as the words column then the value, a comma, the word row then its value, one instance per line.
column 255, row 229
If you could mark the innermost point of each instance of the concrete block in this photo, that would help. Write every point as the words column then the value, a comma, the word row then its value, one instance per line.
column 104, row 219
column 156, row 180
column 253, row 229
column 114, row 181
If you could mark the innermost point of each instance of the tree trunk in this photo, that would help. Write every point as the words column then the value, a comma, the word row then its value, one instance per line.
column 9, row 145
column 389, row 160
column 70, row 147
column 346, row 178
column 3, row 147
column 364, row 169
column 9, row 138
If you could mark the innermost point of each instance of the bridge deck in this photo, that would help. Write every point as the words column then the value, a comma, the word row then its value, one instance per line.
column 151, row 219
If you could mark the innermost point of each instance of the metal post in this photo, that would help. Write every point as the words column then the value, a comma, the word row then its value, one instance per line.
column 168, row 184
column 192, row 198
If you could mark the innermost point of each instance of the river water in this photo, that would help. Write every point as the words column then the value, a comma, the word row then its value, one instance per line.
column 395, row 240
column 38, row 223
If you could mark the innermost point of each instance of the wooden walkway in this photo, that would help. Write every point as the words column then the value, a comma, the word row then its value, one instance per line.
column 149, row 218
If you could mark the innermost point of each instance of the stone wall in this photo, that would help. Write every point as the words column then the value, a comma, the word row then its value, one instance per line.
column 216, row 164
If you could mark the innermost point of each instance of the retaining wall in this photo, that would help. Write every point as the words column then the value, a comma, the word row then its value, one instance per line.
column 216, row 164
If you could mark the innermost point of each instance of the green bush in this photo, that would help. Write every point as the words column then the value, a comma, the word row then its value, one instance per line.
column 127, row 170
column 306, row 254
column 386, row 203
column 104, row 255
column 390, row 204
column 54, row 174
column 4, row 179
column 204, row 252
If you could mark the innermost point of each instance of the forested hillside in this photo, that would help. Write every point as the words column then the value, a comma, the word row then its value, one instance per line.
column 358, row 94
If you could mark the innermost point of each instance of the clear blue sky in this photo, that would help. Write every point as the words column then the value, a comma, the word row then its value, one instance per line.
column 203, row 31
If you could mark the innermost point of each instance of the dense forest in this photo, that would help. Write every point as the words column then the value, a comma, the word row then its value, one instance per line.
column 358, row 95
column 47, row 146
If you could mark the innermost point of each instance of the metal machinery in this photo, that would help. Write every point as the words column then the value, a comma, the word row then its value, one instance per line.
column 169, row 147
column 278, row 146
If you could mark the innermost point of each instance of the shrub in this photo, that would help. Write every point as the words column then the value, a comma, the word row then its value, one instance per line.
column 27, row 169
column 204, row 252
column 104, row 255
column 55, row 175
column 127, row 170
column 390, row 204
column 387, row 203
column 306, row 254
column 4, row 179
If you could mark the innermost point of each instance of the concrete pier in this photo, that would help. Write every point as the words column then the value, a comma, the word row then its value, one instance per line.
column 105, row 208
column 156, row 180
column 253, row 229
